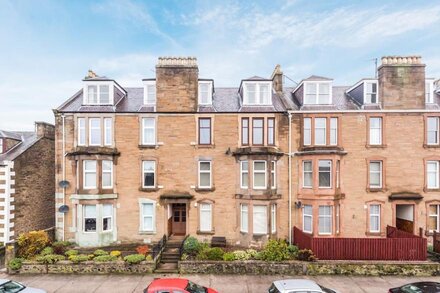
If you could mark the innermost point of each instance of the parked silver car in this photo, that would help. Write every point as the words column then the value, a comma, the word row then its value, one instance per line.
column 298, row 285
column 8, row 286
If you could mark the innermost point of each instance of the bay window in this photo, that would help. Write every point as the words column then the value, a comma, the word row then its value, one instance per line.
column 107, row 174
column 89, row 174
column 259, row 178
column 324, row 173
column 107, row 217
column 244, row 174
column 260, row 219
column 325, row 220
column 89, row 217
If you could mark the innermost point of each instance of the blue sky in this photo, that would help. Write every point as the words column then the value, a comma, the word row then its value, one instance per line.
column 48, row 46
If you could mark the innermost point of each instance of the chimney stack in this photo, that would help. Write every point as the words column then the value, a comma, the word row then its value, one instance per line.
column 44, row 129
column 277, row 79
column 91, row 74
column 177, row 83
column 402, row 82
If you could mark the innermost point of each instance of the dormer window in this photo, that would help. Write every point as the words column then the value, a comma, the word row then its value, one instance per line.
column 98, row 93
column 370, row 92
column 205, row 92
column 317, row 93
column 150, row 92
column 429, row 91
column 257, row 93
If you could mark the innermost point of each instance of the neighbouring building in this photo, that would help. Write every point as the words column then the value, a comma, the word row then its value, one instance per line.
column 181, row 156
column 27, row 172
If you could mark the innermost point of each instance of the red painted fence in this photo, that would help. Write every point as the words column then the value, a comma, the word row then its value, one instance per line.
column 397, row 246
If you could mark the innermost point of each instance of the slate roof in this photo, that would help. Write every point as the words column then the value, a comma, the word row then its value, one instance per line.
column 10, row 134
column 27, row 138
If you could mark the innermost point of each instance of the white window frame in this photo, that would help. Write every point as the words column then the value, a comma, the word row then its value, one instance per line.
column 304, row 173
column 330, row 216
column 98, row 84
column 376, row 215
column 437, row 121
column 429, row 96
column 317, row 84
column 325, row 130
column 436, row 163
column 201, row 210
column 334, row 131
column 143, row 201
column 263, row 211
column 337, row 218
column 257, row 93
column 244, row 214
column 331, row 175
column 108, row 125
column 307, row 216
column 90, row 131
column 244, row 172
column 82, row 136
column 84, row 218
column 144, row 172
column 200, row 171
column 367, row 94
column 273, row 218
column 105, row 217
column 144, row 127
column 371, row 141
column 91, row 172
column 110, row 171
column 273, row 173
column 307, row 131
column 148, row 84
column 380, row 174
column 259, row 172
column 436, row 216
column 209, row 84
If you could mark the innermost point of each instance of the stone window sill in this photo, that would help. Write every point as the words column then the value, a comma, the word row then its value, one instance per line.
column 148, row 189
column 431, row 146
column 147, row 233
column 205, row 232
column 202, row 189
column 144, row 146
column 379, row 189
column 205, row 146
column 374, row 234
column 376, row 146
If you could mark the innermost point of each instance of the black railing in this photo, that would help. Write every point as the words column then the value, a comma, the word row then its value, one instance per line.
column 157, row 248
column 182, row 245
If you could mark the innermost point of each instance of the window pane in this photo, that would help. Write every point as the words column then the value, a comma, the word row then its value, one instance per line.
column 149, row 166
column 149, row 131
column 205, row 179
column 375, row 131
column 92, row 94
column 260, row 219
column 244, row 218
column 95, row 131
column 151, row 94
column 81, row 131
column 333, row 131
column 107, row 210
column 257, row 132
column 148, row 223
column 325, row 173
column 251, row 93
column 205, row 166
column 108, row 131
column 307, row 174
column 104, row 94
column 260, row 166
column 147, row 209
column 320, row 131
column 307, row 131
column 264, row 94
column 432, row 130
column 205, row 217
column 89, row 211
column 325, row 219
column 245, row 131
column 259, row 180
column 270, row 131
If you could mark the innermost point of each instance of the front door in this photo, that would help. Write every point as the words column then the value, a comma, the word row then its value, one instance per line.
column 178, row 224
column 405, row 217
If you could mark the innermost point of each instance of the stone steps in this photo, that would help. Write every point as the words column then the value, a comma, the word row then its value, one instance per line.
column 170, row 256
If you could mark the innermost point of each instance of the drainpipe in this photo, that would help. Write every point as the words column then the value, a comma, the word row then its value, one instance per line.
column 64, row 172
column 290, row 178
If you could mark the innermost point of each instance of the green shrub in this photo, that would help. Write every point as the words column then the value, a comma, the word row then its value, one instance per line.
column 228, row 256
column 115, row 253
column 71, row 252
column 91, row 256
column 184, row 256
column 77, row 258
column 50, row 258
column 251, row 252
column 100, row 252
column 191, row 246
column 430, row 248
column 102, row 258
column 149, row 258
column 15, row 263
column 258, row 256
column 305, row 255
column 207, row 253
column 60, row 247
column 32, row 243
column 275, row 250
column 241, row 255
column 134, row 258
column 293, row 250
column 47, row 250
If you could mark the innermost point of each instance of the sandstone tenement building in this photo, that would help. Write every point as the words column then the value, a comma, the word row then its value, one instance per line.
column 182, row 156
column 27, row 186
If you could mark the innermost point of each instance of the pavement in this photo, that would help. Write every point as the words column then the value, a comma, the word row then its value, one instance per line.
column 222, row 283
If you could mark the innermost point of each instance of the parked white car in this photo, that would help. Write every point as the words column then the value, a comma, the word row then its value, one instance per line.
column 298, row 285
column 8, row 286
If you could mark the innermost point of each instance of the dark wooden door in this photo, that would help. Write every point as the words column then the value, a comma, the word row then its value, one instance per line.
column 179, row 219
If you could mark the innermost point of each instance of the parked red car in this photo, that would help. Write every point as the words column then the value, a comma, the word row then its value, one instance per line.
column 176, row 285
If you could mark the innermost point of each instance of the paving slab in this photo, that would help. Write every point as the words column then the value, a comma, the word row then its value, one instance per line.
column 121, row 284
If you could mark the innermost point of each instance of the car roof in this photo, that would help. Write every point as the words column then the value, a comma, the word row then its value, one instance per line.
column 296, row 284
column 169, row 283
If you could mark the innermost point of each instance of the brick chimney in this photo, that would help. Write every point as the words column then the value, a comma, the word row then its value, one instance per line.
column 44, row 129
column 277, row 79
column 402, row 82
column 177, row 81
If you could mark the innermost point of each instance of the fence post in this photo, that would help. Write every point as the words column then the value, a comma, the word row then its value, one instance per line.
column 420, row 231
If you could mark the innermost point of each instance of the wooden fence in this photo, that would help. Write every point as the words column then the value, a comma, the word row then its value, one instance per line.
column 397, row 246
